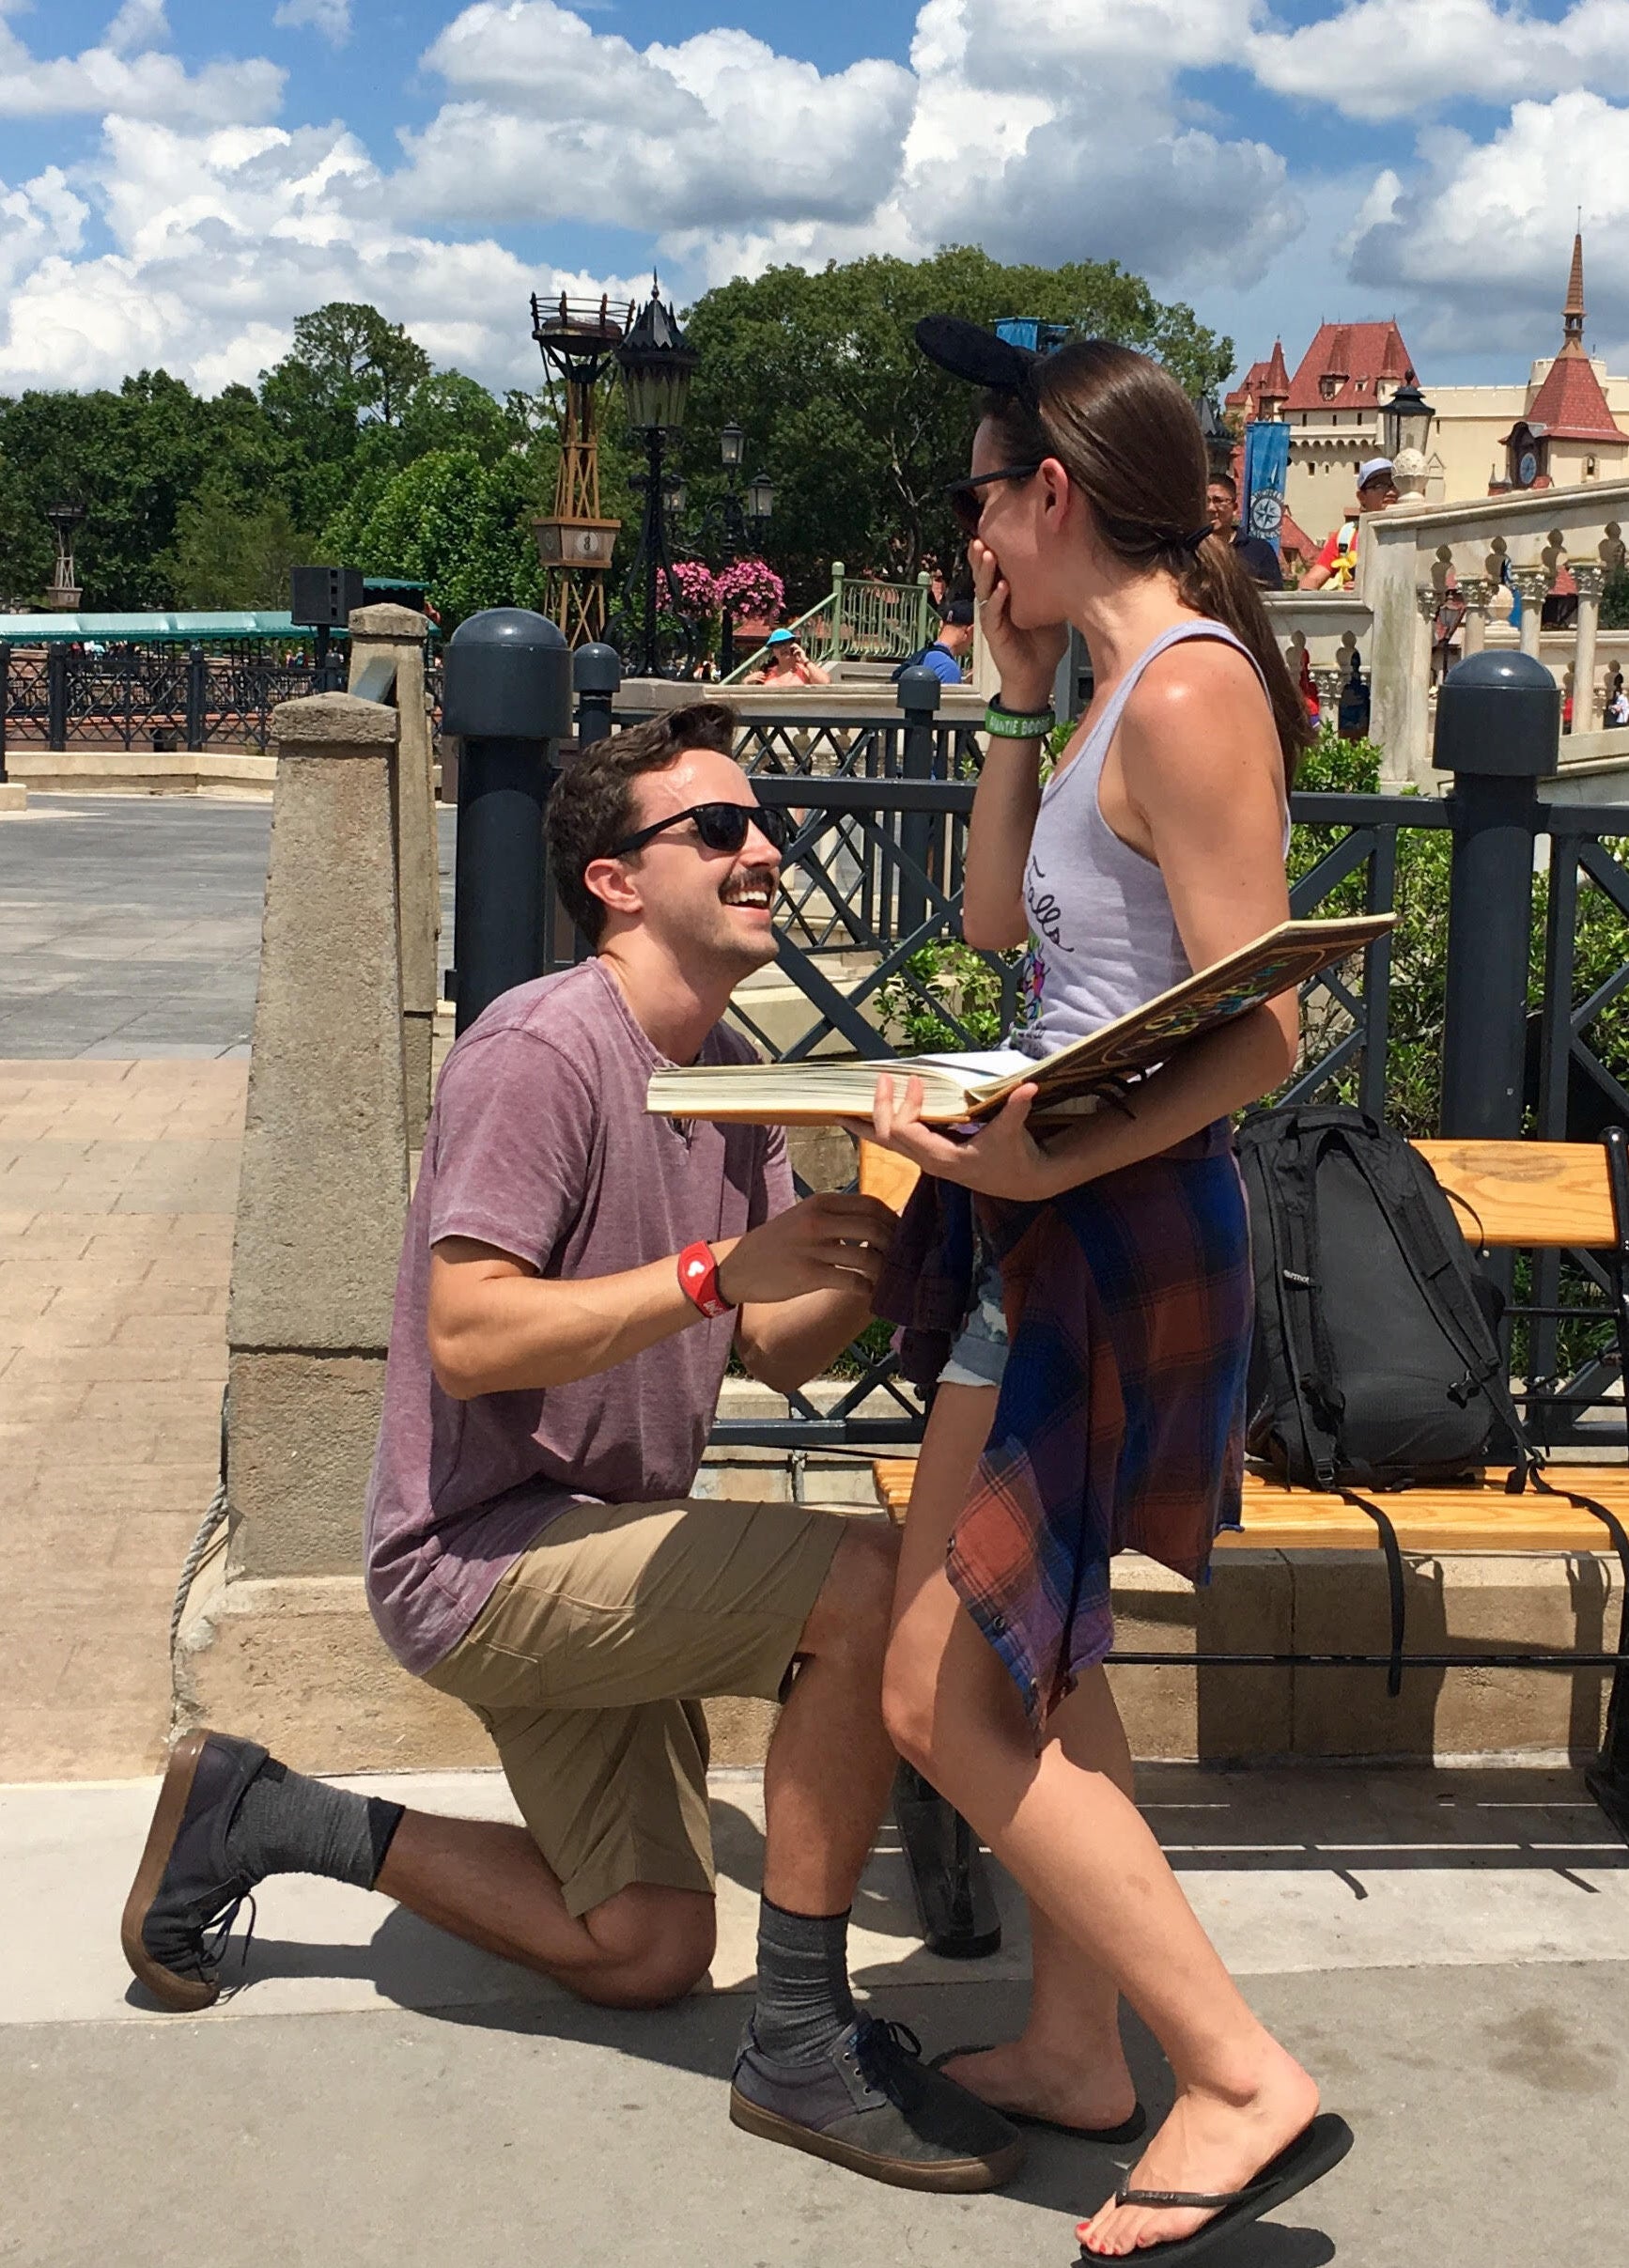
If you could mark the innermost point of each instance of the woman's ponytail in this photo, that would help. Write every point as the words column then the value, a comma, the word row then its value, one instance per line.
column 1214, row 581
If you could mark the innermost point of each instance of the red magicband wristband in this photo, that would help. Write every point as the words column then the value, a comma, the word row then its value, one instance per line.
column 698, row 1275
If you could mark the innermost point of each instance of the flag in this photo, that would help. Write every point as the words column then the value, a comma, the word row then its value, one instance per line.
column 1267, row 468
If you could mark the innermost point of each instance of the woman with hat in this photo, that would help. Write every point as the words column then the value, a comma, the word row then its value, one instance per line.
column 786, row 663
column 1091, row 1399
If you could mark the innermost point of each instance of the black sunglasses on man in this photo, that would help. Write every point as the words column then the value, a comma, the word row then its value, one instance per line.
column 721, row 827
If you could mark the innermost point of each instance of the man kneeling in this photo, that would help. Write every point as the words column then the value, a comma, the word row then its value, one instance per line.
column 575, row 1276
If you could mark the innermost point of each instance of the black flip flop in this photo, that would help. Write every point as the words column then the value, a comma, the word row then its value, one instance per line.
column 1129, row 2130
column 1315, row 2152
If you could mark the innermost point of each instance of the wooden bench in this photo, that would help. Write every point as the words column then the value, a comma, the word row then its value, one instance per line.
column 1529, row 1194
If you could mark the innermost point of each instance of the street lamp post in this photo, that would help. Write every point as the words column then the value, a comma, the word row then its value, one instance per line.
column 656, row 361
column 1404, row 430
column 1219, row 438
column 735, row 516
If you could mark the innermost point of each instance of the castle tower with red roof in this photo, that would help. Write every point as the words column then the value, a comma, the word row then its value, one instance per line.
column 1568, row 433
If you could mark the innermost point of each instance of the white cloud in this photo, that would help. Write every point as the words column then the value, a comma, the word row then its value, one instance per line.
column 1395, row 58
column 1477, row 241
column 1043, row 130
column 219, row 241
column 330, row 18
column 554, row 119
column 127, row 73
column 38, row 219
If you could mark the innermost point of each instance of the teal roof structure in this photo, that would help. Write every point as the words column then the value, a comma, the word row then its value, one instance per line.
column 144, row 629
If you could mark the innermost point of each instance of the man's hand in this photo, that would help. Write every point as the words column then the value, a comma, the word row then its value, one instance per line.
column 827, row 1243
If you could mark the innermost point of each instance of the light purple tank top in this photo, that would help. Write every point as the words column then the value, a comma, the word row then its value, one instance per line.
column 1102, row 935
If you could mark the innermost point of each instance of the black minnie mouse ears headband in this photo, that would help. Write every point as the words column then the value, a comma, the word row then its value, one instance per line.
column 968, row 351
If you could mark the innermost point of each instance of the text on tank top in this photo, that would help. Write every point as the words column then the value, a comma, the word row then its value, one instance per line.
column 1103, row 937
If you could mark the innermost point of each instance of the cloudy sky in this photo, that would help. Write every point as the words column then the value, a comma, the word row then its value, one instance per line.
column 179, row 179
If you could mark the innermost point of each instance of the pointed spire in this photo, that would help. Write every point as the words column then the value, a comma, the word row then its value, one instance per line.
column 1572, row 318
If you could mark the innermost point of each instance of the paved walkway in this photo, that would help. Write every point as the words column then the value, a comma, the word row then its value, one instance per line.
column 1448, row 1951
column 129, row 926
column 117, row 1185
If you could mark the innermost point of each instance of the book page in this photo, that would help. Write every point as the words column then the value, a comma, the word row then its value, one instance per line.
column 992, row 1062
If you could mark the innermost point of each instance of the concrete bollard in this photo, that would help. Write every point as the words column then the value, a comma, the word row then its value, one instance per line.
column 397, row 634
column 322, row 1199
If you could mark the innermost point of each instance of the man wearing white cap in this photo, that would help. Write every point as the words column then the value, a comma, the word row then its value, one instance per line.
column 1337, row 562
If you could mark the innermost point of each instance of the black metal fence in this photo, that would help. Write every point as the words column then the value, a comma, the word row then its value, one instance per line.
column 871, row 898
column 158, row 696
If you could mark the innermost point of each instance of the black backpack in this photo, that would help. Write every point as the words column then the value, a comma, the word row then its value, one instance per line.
column 1376, row 1363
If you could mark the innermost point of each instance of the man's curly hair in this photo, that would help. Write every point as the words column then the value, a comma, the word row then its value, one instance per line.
column 592, row 808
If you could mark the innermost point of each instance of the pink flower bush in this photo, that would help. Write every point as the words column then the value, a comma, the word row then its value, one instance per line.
column 694, row 589
column 752, row 587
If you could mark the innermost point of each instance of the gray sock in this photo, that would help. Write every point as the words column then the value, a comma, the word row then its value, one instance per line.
column 803, row 2000
column 290, row 1824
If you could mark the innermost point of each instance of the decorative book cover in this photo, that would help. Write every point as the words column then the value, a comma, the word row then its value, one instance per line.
column 957, row 1088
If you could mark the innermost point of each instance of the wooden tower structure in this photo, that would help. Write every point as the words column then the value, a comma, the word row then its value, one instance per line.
column 577, row 339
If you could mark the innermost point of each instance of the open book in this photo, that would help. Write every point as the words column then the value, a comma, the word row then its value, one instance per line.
column 817, row 1090
column 960, row 1087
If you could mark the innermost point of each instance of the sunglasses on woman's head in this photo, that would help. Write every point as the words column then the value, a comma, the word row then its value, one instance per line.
column 721, row 827
column 966, row 497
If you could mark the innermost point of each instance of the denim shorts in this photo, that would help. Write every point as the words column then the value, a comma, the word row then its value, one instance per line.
column 979, row 1354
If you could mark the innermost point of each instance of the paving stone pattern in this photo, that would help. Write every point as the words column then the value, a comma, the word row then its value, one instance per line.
column 130, row 925
column 118, row 1185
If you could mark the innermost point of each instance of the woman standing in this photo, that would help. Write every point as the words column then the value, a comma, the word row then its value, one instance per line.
column 1115, row 1418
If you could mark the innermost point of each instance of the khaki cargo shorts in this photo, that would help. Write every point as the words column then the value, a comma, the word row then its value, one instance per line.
column 589, row 1663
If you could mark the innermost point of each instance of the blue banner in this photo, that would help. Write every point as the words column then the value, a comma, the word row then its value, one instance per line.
column 1267, row 468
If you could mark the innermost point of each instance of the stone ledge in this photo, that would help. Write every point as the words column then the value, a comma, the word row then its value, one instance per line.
column 143, row 771
column 296, row 1662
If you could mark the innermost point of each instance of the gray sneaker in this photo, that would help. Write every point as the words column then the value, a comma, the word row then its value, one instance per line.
column 871, row 2103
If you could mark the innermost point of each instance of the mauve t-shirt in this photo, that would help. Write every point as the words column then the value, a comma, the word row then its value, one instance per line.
column 539, row 1143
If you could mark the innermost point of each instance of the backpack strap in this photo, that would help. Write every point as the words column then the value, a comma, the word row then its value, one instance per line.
column 1614, row 1527
column 1430, row 1263
column 1290, row 1216
column 1393, row 1551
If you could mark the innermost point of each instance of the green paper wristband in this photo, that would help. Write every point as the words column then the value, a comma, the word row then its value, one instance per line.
column 1007, row 724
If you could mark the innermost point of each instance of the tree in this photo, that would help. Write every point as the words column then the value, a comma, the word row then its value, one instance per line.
column 457, row 525
column 228, row 555
column 133, row 458
column 859, row 432
column 347, row 365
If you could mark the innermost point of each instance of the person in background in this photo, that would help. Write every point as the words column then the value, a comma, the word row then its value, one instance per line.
column 1337, row 562
column 786, row 663
column 953, row 639
column 1256, row 555
column 1617, row 701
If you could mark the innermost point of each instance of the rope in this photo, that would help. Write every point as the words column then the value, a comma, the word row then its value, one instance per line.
column 213, row 1519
